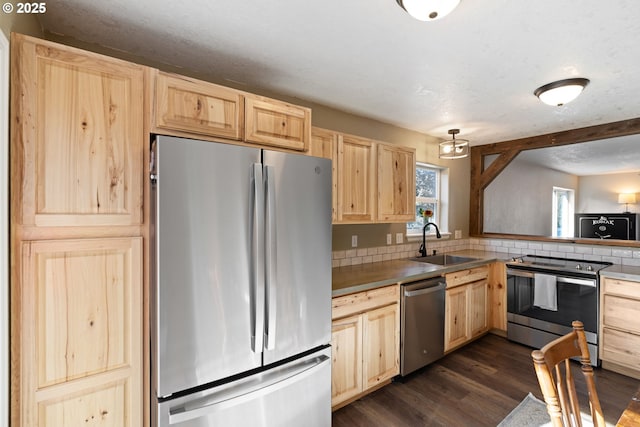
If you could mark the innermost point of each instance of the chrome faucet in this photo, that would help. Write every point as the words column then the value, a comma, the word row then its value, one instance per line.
column 423, row 247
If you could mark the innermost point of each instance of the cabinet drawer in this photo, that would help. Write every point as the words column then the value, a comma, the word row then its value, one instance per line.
column 622, row 313
column 362, row 301
column 621, row 287
column 462, row 277
column 621, row 347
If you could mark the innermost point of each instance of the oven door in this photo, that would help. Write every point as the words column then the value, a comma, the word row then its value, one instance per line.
column 577, row 299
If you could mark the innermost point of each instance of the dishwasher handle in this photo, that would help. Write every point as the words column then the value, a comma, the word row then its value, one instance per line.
column 427, row 289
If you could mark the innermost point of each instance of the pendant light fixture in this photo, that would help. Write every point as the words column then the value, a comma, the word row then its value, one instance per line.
column 428, row 10
column 454, row 148
column 561, row 92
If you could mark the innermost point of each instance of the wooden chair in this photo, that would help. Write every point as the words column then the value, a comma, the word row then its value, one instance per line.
column 559, row 391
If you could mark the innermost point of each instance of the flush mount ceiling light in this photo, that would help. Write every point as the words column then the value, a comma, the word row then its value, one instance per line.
column 428, row 10
column 454, row 148
column 561, row 92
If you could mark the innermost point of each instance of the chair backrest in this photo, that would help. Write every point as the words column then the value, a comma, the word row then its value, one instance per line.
column 553, row 368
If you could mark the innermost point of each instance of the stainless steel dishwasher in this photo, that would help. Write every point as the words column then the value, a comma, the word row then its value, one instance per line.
column 422, row 324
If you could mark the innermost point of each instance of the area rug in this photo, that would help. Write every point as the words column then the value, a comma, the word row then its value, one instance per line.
column 531, row 412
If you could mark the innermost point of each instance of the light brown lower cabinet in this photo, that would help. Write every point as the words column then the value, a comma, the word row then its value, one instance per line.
column 380, row 345
column 466, row 306
column 620, row 326
column 81, row 333
column 456, row 331
column 365, row 341
column 346, row 342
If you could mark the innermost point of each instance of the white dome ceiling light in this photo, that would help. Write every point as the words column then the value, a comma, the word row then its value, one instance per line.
column 561, row 92
column 428, row 10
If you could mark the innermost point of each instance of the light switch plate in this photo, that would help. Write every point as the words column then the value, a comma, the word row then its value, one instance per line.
column 458, row 234
column 399, row 238
column 388, row 238
column 354, row 241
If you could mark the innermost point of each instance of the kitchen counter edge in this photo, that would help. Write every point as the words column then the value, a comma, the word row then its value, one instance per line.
column 363, row 277
column 624, row 272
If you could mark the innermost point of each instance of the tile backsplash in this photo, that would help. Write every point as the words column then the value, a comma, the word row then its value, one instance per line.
column 615, row 254
column 387, row 253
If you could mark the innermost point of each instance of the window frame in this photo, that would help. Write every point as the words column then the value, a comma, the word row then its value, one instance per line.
column 570, row 215
column 439, row 201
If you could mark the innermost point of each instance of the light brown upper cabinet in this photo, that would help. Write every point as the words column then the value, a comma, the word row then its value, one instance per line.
column 198, row 107
column 396, row 183
column 77, row 136
column 324, row 143
column 276, row 123
column 373, row 181
column 356, row 179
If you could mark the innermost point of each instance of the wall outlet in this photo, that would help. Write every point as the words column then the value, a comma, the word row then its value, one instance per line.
column 354, row 241
column 388, row 238
column 458, row 234
column 399, row 238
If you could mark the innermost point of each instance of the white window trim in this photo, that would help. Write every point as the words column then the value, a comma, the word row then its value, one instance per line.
column 442, row 206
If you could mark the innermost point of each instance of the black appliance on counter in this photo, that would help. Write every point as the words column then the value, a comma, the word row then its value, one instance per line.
column 621, row 226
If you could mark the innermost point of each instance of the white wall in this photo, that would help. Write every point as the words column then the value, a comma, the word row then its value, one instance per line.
column 599, row 193
column 4, row 230
column 519, row 200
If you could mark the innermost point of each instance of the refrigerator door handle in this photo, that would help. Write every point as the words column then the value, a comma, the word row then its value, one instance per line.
column 253, row 390
column 271, row 258
column 258, row 259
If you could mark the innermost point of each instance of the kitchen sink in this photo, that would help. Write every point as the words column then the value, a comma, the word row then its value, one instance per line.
column 444, row 259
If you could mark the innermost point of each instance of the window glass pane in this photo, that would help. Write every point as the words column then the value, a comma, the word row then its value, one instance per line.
column 416, row 226
column 563, row 208
column 426, row 182
column 427, row 198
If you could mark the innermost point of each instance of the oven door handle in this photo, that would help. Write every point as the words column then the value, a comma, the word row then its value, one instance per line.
column 519, row 273
column 559, row 279
column 575, row 281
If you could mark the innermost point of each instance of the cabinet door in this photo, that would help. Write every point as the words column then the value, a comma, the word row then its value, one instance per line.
column 346, row 350
column 277, row 123
column 81, row 325
column 199, row 107
column 455, row 325
column 498, row 296
column 396, row 183
column 324, row 144
column 356, row 179
column 478, row 299
column 78, row 140
column 381, row 345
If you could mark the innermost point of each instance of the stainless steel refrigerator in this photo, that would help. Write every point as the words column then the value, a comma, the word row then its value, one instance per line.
column 241, row 286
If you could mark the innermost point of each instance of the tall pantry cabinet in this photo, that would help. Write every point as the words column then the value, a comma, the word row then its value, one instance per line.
column 77, row 141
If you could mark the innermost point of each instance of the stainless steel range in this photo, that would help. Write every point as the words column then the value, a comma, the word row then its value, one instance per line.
column 545, row 294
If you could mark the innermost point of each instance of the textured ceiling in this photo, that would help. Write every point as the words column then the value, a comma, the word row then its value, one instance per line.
column 614, row 155
column 475, row 69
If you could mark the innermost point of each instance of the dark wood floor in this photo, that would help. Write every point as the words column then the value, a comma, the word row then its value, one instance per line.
column 477, row 385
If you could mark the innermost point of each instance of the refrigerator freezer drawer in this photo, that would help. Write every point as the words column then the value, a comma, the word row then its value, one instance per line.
column 297, row 393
